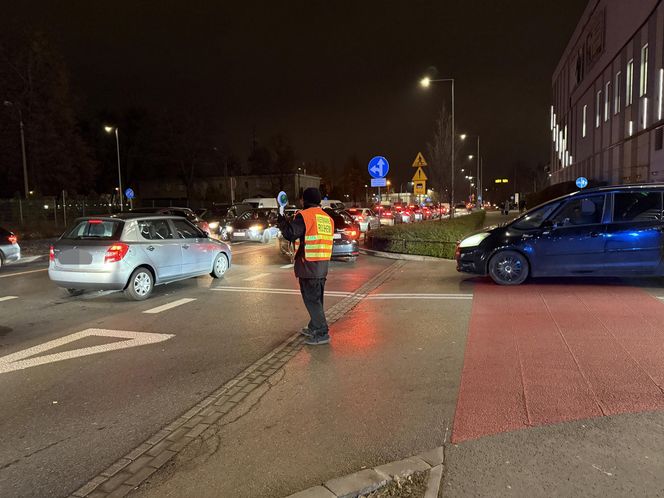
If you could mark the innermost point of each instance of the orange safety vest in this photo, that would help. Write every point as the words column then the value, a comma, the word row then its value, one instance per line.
column 318, row 235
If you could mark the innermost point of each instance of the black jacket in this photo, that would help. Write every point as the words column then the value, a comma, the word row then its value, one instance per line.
column 293, row 231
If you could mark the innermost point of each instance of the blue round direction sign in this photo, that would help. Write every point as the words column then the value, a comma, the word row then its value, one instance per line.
column 582, row 182
column 129, row 193
column 378, row 167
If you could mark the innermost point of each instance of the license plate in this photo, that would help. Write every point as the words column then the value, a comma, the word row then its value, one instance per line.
column 239, row 234
column 337, row 236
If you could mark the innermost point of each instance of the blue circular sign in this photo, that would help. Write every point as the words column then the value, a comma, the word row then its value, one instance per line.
column 582, row 182
column 129, row 193
column 378, row 167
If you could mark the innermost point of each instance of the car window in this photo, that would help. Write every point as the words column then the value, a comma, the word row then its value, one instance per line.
column 533, row 219
column 96, row 229
column 580, row 211
column 637, row 206
column 186, row 230
column 155, row 229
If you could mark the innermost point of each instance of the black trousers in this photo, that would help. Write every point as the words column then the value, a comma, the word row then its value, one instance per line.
column 312, row 290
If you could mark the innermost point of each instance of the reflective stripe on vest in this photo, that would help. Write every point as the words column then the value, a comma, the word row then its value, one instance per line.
column 319, row 234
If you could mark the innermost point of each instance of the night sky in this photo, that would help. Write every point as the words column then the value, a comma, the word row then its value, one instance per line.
column 337, row 77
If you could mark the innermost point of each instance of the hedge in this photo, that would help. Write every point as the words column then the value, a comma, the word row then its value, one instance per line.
column 436, row 238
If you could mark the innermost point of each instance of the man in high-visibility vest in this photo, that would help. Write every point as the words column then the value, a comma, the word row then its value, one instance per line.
column 312, row 231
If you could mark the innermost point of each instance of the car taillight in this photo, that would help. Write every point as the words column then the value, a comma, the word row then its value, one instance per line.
column 353, row 234
column 12, row 239
column 116, row 252
column 94, row 222
column 359, row 217
column 51, row 254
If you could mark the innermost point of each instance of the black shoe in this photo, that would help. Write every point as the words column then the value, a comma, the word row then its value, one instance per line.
column 306, row 332
column 318, row 340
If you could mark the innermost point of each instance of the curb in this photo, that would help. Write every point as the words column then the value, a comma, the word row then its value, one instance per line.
column 397, row 255
column 369, row 480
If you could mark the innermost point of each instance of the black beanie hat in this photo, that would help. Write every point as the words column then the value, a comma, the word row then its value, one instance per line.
column 311, row 196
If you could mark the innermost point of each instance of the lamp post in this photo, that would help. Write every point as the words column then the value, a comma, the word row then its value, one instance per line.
column 111, row 129
column 425, row 83
column 25, row 164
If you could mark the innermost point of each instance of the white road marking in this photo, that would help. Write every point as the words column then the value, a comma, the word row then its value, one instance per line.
column 30, row 259
column 264, row 290
column 18, row 361
column 421, row 296
column 22, row 273
column 256, row 277
column 660, row 297
column 267, row 290
column 287, row 266
column 169, row 306
column 7, row 298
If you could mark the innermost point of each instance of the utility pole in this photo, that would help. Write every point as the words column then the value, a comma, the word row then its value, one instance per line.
column 8, row 103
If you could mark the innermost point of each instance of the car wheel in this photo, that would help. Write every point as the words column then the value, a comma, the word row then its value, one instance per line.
column 140, row 285
column 219, row 266
column 508, row 268
column 224, row 234
column 351, row 259
column 2, row 260
column 75, row 292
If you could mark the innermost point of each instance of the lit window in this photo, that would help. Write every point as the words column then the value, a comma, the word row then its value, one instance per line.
column 645, row 113
column 643, row 77
column 598, row 112
column 583, row 124
column 631, row 128
column 630, row 82
column 660, row 94
column 616, row 94
column 607, row 100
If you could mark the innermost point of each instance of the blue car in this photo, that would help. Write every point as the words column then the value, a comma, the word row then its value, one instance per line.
column 608, row 231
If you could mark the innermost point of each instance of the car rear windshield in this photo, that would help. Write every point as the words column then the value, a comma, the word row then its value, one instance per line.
column 95, row 230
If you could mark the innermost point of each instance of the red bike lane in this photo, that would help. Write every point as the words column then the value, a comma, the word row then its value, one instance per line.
column 541, row 354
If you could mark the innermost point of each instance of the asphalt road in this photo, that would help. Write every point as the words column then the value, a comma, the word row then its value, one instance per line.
column 67, row 420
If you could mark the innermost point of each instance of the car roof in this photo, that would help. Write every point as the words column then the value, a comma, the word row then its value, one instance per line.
column 128, row 216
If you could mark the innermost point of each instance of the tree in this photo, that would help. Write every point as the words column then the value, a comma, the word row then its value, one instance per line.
column 34, row 78
column 353, row 179
column 440, row 156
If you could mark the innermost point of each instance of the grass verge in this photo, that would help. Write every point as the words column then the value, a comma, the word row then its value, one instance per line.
column 429, row 238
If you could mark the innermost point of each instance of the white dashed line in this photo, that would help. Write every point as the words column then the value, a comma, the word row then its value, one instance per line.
column 256, row 277
column 22, row 273
column 18, row 361
column 7, row 298
column 169, row 306
column 287, row 266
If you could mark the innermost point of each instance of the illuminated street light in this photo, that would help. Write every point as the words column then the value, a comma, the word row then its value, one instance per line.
column 425, row 82
column 463, row 136
column 111, row 129
column 470, row 156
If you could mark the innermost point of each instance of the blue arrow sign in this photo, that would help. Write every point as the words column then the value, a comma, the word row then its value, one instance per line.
column 378, row 167
column 582, row 182
column 129, row 193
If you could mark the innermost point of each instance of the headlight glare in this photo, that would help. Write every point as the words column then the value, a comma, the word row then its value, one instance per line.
column 474, row 240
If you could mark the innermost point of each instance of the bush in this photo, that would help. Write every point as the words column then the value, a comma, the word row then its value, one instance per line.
column 435, row 238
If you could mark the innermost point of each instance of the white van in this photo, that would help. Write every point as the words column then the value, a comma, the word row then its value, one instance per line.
column 332, row 203
column 262, row 202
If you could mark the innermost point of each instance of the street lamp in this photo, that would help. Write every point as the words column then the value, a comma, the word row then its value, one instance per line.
column 479, row 165
column 8, row 103
column 425, row 83
column 111, row 129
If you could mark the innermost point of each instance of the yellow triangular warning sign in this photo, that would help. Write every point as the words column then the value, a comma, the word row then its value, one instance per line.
column 419, row 176
column 419, row 161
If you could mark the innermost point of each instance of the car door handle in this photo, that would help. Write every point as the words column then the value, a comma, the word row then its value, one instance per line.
column 527, row 236
column 150, row 248
column 594, row 234
column 185, row 246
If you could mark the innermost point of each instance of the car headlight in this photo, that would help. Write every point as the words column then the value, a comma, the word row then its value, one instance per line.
column 474, row 240
column 214, row 225
column 256, row 228
column 229, row 228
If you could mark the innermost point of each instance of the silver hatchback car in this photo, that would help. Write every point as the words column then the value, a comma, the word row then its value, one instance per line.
column 134, row 252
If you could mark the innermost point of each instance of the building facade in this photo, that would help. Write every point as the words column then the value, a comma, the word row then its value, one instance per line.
column 168, row 191
column 607, row 120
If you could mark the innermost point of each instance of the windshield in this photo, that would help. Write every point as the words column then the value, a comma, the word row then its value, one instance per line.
column 533, row 219
column 95, row 229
